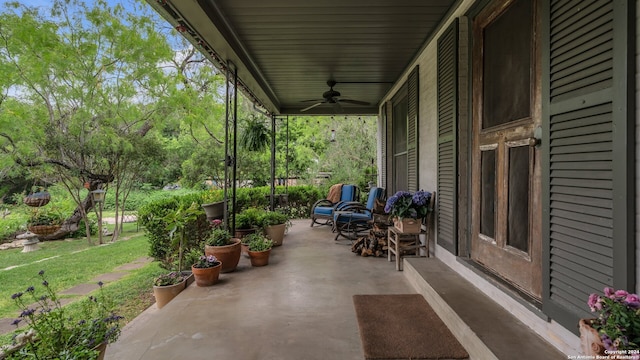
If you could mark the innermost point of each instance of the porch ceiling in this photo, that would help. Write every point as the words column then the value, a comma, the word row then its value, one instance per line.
column 286, row 50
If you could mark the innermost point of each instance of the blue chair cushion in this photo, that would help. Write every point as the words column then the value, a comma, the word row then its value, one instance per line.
column 323, row 210
column 351, row 217
column 348, row 193
column 375, row 193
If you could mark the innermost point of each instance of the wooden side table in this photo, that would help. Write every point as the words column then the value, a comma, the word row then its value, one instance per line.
column 400, row 244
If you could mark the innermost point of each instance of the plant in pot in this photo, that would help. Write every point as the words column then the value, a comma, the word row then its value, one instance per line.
column 407, row 208
column 247, row 222
column 275, row 224
column 176, row 222
column 259, row 249
column 617, row 327
column 167, row 286
column 45, row 221
column 205, row 269
column 224, row 247
column 57, row 332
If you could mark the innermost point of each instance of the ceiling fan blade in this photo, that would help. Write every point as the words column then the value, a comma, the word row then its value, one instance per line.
column 355, row 102
column 316, row 100
column 311, row 107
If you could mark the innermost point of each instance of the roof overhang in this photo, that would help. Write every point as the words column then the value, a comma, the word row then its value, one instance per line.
column 285, row 51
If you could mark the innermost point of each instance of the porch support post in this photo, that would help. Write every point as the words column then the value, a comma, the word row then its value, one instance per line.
column 273, row 163
column 227, row 158
column 235, row 147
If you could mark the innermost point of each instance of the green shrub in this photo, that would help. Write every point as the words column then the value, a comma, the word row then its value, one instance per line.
column 82, row 232
column 253, row 200
column 152, row 217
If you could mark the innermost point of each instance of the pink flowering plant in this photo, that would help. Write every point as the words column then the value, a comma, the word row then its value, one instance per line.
column 404, row 204
column 618, row 321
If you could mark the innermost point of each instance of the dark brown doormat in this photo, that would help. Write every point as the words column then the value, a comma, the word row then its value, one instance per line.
column 403, row 327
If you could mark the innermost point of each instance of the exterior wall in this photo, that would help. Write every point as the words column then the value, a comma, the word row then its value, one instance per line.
column 559, row 336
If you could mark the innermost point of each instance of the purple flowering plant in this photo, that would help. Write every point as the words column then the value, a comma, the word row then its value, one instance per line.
column 54, row 331
column 207, row 261
column 171, row 278
column 404, row 204
column 618, row 321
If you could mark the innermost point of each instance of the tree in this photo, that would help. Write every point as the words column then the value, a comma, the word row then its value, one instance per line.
column 86, row 87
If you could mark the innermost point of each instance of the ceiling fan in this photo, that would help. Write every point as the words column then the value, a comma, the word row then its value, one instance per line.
column 332, row 97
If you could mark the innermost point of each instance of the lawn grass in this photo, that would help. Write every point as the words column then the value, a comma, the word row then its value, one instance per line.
column 68, row 263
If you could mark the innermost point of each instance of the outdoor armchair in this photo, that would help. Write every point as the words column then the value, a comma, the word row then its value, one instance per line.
column 352, row 218
column 322, row 210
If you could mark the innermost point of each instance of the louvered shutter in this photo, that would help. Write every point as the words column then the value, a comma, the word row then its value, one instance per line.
column 383, row 147
column 447, row 124
column 412, row 130
column 587, row 164
column 389, row 125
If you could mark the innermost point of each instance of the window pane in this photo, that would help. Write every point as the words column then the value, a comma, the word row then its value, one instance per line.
column 518, row 232
column 400, row 110
column 400, row 172
column 488, row 191
column 507, row 64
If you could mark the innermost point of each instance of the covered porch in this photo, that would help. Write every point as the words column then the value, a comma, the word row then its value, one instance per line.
column 300, row 307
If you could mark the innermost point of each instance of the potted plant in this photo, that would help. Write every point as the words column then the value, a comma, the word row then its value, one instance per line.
column 617, row 327
column 406, row 209
column 176, row 222
column 225, row 248
column 247, row 222
column 54, row 332
column 206, row 270
column 45, row 221
column 259, row 249
column 275, row 224
column 167, row 286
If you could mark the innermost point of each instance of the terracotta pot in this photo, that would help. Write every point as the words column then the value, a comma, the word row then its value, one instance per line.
column 276, row 233
column 259, row 258
column 164, row 294
column 590, row 341
column 229, row 255
column 206, row 276
column 407, row 225
column 240, row 233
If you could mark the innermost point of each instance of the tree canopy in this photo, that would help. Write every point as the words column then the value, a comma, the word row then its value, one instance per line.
column 111, row 95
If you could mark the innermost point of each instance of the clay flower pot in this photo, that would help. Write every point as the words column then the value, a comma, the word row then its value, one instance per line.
column 164, row 294
column 259, row 258
column 229, row 255
column 276, row 233
column 206, row 276
column 590, row 341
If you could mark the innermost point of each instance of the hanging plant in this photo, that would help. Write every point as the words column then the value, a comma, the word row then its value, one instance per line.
column 255, row 136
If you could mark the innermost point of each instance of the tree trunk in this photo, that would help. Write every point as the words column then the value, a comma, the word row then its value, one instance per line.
column 72, row 223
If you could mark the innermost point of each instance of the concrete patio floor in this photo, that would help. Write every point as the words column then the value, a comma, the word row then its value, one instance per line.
column 298, row 307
